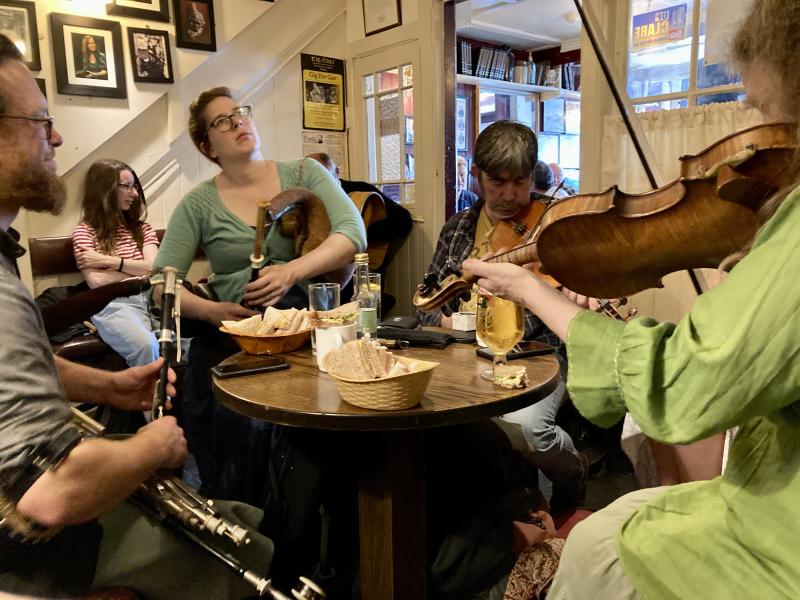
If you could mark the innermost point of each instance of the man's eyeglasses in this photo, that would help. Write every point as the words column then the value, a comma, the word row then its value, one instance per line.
column 48, row 122
column 224, row 123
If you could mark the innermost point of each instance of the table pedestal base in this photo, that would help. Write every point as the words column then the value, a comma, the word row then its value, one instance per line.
column 392, row 523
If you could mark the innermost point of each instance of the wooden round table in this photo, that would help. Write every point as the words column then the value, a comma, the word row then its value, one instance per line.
column 392, row 496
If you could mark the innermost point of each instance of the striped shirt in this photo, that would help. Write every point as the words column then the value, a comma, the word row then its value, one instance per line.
column 85, row 238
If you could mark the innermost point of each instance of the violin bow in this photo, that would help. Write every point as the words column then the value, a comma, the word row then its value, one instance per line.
column 625, row 107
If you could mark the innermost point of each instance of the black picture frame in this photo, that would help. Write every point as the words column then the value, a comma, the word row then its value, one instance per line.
column 77, row 73
column 380, row 16
column 20, row 18
column 158, row 11
column 151, row 60
column 42, row 86
column 194, row 24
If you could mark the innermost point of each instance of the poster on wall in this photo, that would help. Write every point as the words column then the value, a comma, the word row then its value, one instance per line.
column 659, row 27
column 331, row 143
column 323, row 92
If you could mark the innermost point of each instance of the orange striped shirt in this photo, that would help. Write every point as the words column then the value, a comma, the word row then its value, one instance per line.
column 84, row 238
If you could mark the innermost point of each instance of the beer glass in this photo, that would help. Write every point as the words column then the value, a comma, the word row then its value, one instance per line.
column 501, row 325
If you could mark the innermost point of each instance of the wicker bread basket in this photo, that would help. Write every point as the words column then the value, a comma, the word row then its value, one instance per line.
column 390, row 393
column 270, row 344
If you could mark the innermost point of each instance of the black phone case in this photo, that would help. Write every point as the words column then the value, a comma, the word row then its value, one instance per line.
column 249, row 371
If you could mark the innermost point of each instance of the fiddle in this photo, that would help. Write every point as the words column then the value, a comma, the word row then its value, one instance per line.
column 517, row 229
column 613, row 244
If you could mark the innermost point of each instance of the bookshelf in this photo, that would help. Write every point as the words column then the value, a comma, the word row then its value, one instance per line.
column 522, row 89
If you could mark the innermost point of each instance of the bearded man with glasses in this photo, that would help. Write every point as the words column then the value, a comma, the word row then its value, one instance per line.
column 51, row 477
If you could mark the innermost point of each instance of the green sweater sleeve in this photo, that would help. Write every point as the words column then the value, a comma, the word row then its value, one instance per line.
column 181, row 239
column 342, row 212
column 733, row 357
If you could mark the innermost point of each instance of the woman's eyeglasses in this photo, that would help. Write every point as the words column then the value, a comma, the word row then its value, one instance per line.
column 128, row 187
column 48, row 122
column 224, row 123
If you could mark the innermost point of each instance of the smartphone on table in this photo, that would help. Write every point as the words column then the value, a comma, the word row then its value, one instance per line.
column 521, row 350
column 263, row 364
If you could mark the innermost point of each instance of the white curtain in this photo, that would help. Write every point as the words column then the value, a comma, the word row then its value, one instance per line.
column 671, row 134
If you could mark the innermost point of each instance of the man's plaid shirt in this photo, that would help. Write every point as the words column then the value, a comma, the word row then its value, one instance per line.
column 455, row 243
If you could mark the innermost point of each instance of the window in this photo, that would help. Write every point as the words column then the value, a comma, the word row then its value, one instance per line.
column 389, row 100
column 559, row 140
column 496, row 105
column 666, row 58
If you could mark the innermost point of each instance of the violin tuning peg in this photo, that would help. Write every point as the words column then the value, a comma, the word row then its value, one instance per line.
column 451, row 266
column 430, row 281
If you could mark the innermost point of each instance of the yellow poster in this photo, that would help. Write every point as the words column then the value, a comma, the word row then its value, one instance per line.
column 323, row 92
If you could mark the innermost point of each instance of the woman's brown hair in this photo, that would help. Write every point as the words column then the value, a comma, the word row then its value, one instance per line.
column 768, row 38
column 101, row 207
column 198, row 127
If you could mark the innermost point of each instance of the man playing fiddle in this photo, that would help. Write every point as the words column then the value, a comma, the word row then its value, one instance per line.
column 503, row 165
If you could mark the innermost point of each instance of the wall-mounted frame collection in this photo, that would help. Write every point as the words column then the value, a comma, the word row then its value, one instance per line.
column 18, row 23
column 88, row 56
column 194, row 24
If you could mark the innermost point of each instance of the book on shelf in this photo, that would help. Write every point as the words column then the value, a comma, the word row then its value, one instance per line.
column 465, row 57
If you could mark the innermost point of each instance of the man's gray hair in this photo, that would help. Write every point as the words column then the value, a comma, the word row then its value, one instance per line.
column 506, row 146
column 8, row 51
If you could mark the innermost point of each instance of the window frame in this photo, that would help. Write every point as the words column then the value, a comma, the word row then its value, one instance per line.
column 693, row 92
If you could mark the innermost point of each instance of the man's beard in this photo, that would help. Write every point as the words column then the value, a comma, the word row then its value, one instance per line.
column 39, row 191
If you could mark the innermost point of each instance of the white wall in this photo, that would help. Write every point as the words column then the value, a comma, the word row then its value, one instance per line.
column 422, row 28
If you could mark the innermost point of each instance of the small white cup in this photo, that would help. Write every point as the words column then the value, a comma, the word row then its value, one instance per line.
column 329, row 338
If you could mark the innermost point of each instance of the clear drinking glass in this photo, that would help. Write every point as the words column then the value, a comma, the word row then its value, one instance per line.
column 322, row 296
column 375, row 288
column 501, row 325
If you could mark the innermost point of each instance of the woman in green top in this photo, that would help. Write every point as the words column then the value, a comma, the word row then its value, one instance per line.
column 219, row 216
column 733, row 361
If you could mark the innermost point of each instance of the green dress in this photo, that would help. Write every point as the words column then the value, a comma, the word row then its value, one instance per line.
column 201, row 220
column 734, row 360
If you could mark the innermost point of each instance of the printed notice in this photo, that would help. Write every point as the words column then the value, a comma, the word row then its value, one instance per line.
column 323, row 92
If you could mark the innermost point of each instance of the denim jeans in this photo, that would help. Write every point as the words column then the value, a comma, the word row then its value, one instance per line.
column 552, row 448
column 125, row 326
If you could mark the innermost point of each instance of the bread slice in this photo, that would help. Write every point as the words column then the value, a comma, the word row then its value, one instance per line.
column 343, row 315
column 511, row 377
column 359, row 360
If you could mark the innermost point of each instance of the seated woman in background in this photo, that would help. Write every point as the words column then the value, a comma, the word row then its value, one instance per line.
column 219, row 216
column 112, row 242
column 733, row 361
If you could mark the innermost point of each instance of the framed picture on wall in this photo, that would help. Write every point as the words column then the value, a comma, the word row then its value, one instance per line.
column 461, row 124
column 150, row 55
column 18, row 23
column 152, row 10
column 88, row 56
column 194, row 24
column 42, row 87
column 380, row 15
